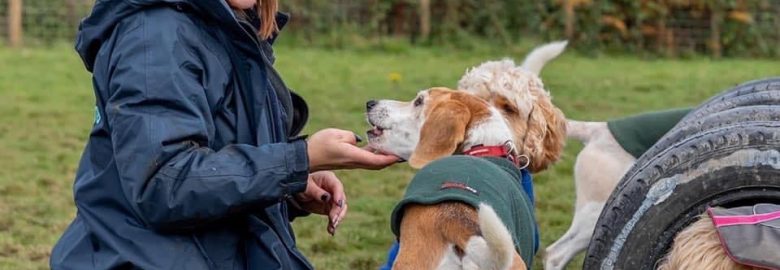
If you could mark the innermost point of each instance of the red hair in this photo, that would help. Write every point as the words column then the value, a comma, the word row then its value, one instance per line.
column 266, row 10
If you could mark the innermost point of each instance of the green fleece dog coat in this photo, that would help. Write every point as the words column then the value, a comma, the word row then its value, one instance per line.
column 474, row 180
column 637, row 133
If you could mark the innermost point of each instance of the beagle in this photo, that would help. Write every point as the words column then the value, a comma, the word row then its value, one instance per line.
column 505, row 112
column 446, row 234
column 438, row 122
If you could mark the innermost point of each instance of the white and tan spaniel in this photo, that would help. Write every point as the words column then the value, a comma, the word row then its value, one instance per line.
column 501, row 105
column 538, row 126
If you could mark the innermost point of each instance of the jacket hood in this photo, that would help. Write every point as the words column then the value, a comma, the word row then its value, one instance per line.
column 99, row 25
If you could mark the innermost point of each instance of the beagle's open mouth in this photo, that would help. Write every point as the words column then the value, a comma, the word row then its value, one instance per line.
column 375, row 130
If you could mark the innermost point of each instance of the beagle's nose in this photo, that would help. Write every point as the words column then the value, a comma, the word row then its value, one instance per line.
column 370, row 104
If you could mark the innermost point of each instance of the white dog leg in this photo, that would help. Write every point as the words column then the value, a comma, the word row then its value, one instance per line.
column 575, row 239
column 599, row 167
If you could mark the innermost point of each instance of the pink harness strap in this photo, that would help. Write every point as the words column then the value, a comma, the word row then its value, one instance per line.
column 721, row 221
column 750, row 235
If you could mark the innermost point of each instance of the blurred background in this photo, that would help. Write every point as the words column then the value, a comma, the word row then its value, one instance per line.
column 624, row 57
column 661, row 27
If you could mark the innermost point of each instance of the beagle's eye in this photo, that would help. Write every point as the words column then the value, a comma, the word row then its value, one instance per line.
column 418, row 101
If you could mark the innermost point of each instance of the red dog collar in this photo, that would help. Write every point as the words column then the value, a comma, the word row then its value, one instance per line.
column 504, row 151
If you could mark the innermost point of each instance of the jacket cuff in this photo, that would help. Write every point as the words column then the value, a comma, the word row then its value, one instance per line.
column 297, row 166
column 294, row 210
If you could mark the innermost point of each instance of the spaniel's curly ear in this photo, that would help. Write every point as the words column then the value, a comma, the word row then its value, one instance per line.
column 546, row 133
column 444, row 129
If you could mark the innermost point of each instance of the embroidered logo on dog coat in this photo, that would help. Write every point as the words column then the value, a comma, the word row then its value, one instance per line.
column 458, row 185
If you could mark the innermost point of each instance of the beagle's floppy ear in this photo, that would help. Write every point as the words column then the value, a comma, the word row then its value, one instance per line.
column 444, row 129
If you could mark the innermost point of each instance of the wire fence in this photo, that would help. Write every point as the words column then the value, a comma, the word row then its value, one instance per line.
column 663, row 27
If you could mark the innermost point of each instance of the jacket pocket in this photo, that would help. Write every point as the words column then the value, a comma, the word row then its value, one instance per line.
column 265, row 249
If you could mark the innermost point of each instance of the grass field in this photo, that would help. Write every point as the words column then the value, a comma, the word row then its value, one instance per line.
column 46, row 109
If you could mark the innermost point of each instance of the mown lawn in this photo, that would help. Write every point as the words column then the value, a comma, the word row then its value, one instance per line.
column 46, row 109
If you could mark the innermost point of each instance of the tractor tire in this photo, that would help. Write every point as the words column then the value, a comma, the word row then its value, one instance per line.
column 756, row 93
column 752, row 93
column 765, row 84
column 709, row 121
column 753, row 99
column 731, row 160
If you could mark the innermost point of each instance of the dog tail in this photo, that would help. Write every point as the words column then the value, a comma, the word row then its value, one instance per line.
column 536, row 60
column 580, row 130
column 495, row 249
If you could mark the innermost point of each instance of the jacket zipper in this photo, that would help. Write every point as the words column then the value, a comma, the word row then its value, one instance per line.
column 277, row 77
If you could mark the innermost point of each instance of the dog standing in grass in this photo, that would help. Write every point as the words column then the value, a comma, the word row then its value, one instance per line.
column 512, row 129
column 611, row 148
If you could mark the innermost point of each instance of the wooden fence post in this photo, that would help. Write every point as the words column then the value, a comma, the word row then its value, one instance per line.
column 15, row 23
column 425, row 19
column 568, row 9
column 715, row 41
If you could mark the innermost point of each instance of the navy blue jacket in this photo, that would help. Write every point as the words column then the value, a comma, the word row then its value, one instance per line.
column 190, row 163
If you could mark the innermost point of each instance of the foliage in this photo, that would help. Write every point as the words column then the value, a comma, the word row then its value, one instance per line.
column 47, row 108
column 650, row 27
column 664, row 27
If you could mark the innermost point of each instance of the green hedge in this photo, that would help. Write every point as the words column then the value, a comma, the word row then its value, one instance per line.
column 651, row 27
column 658, row 27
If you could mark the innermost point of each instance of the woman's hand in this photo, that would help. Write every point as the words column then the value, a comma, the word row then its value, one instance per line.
column 324, row 195
column 331, row 149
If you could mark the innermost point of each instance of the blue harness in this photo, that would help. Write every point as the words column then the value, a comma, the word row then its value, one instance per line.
column 528, row 187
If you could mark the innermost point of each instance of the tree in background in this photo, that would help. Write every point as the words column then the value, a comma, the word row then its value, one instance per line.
column 660, row 27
